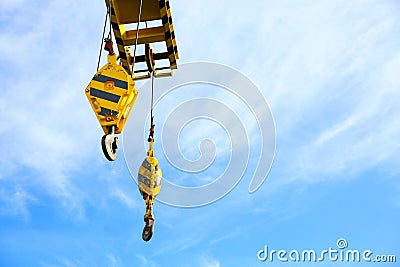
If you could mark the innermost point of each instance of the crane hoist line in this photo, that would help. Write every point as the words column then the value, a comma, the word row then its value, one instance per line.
column 112, row 91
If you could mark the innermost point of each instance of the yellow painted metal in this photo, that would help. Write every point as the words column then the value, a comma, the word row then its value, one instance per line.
column 124, row 17
column 112, row 94
column 150, row 174
column 147, row 35
column 128, row 10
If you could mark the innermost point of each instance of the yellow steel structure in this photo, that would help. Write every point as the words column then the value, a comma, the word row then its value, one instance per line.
column 112, row 94
column 124, row 14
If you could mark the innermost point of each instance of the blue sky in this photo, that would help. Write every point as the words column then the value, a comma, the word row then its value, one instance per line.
column 329, row 71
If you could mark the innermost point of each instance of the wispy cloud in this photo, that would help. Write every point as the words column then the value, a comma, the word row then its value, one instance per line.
column 334, row 131
column 69, row 262
column 145, row 261
column 340, row 108
column 113, row 260
column 52, row 128
column 224, row 237
column 328, row 70
column 16, row 203
column 124, row 198
column 209, row 262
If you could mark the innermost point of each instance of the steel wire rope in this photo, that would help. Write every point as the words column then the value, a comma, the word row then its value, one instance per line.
column 152, row 102
column 137, row 37
column 102, row 41
column 108, row 16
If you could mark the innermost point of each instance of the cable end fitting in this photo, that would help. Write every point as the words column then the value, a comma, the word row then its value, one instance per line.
column 109, row 46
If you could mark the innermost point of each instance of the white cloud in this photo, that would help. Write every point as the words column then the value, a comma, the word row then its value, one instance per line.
column 328, row 69
column 125, row 199
column 332, row 87
column 145, row 261
column 224, row 237
column 16, row 203
column 7, row 6
column 334, row 131
column 50, row 127
column 112, row 259
column 68, row 262
column 209, row 262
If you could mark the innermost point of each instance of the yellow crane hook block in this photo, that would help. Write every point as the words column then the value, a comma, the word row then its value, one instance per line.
column 149, row 181
column 150, row 177
column 112, row 94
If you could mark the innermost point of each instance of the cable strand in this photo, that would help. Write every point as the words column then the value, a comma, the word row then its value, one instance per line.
column 109, row 14
column 102, row 40
column 137, row 37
